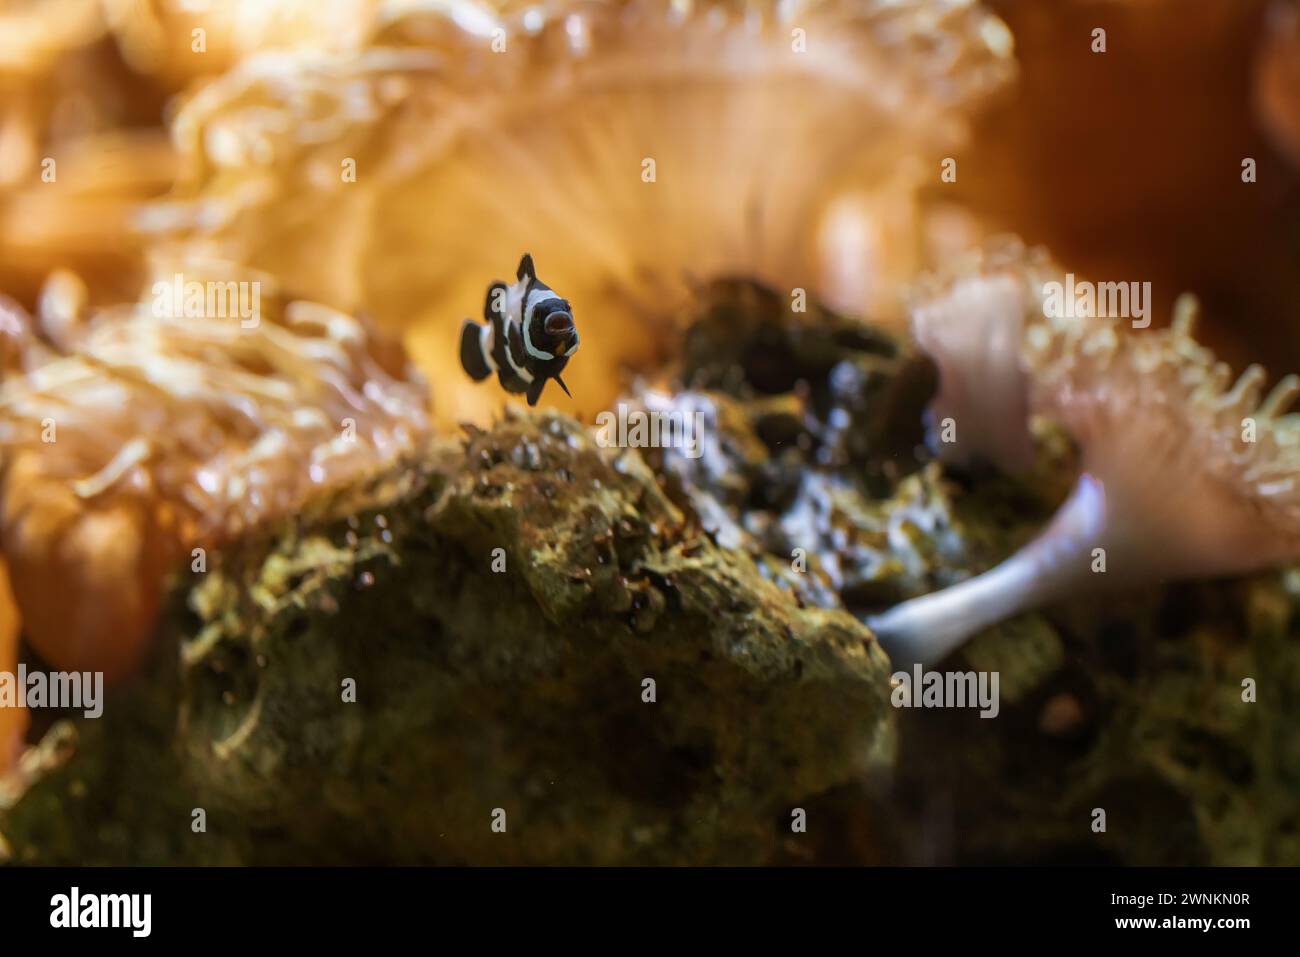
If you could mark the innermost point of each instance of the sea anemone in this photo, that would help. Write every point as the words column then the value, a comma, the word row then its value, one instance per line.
column 84, row 218
column 134, row 436
column 34, row 38
column 179, row 40
column 631, row 146
column 971, row 322
column 76, row 153
column 83, row 84
column 1181, row 476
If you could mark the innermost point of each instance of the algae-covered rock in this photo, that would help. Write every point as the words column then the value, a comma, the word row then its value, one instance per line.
column 518, row 651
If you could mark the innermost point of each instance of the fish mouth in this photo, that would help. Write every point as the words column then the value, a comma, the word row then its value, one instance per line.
column 559, row 324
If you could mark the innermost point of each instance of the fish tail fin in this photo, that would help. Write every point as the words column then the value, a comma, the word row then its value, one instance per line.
column 472, row 357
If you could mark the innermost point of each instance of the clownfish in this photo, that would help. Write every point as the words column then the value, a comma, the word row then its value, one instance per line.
column 528, row 337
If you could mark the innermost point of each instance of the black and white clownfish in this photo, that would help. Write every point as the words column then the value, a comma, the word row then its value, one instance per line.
column 528, row 337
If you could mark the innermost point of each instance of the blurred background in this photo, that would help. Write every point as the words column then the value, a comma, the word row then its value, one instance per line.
column 1129, row 164
column 1125, row 165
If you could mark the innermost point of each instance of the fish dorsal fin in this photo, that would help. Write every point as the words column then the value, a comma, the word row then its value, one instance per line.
column 526, row 270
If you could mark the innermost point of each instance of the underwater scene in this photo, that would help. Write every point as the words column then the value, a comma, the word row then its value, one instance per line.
column 649, row 432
